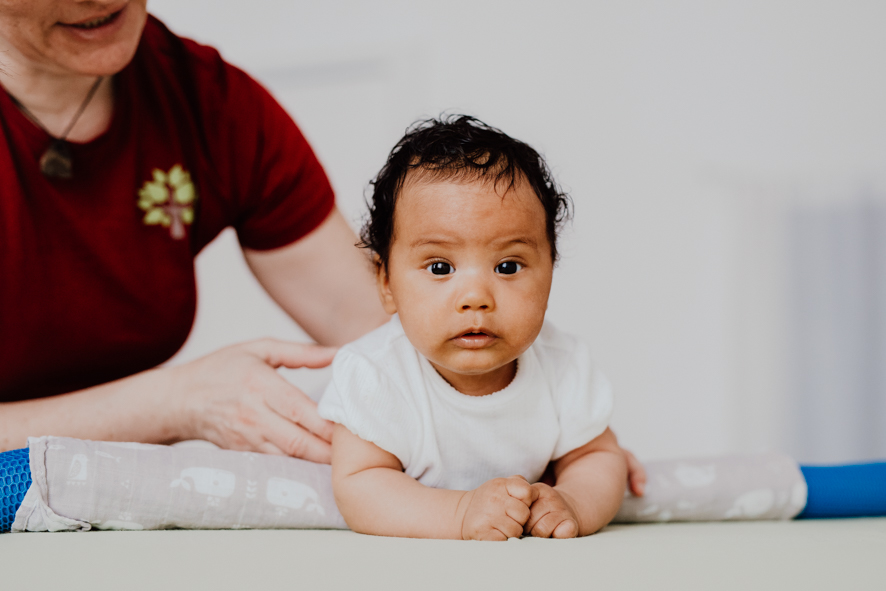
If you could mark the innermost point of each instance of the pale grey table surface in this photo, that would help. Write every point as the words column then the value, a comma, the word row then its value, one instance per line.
column 804, row 555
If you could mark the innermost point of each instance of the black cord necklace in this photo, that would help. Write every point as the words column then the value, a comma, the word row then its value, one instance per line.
column 56, row 160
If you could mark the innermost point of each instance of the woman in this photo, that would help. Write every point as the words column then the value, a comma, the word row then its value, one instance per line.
column 172, row 146
column 124, row 150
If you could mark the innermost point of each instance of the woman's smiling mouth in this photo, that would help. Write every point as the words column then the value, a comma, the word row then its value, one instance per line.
column 95, row 22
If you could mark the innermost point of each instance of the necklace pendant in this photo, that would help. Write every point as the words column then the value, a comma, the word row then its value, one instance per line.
column 56, row 161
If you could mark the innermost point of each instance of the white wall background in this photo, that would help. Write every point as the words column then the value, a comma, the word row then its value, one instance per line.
column 685, row 132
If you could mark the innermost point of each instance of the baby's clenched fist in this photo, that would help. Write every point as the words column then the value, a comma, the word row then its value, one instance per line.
column 498, row 509
column 551, row 515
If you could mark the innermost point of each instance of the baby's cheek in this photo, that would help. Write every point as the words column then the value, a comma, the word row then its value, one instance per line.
column 420, row 330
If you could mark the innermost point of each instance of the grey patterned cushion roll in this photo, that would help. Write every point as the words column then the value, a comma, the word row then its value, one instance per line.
column 755, row 486
column 80, row 485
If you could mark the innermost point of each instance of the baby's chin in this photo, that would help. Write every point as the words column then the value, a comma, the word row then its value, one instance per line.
column 473, row 371
column 472, row 368
column 478, row 380
column 474, row 362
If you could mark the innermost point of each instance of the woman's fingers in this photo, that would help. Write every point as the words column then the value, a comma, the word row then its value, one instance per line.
column 294, row 440
column 266, row 447
column 294, row 405
column 236, row 399
column 292, row 355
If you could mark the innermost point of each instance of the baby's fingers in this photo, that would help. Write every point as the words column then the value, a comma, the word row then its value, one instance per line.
column 636, row 474
column 518, row 511
column 566, row 529
column 520, row 489
column 554, row 524
column 493, row 535
column 508, row 528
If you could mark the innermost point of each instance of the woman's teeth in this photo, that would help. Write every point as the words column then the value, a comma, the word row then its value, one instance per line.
column 95, row 22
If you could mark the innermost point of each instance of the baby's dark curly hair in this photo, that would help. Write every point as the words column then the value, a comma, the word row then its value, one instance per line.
column 461, row 148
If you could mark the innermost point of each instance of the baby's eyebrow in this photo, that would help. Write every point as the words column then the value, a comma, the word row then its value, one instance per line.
column 503, row 243
column 434, row 241
column 519, row 240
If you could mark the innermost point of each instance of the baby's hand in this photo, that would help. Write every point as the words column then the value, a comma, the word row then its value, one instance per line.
column 498, row 509
column 551, row 515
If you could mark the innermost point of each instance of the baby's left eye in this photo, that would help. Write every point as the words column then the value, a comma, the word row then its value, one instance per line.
column 508, row 267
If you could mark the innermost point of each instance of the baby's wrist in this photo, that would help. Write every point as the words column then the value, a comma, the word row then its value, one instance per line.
column 461, row 513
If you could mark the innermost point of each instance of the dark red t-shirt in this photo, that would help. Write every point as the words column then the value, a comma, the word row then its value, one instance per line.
column 97, row 272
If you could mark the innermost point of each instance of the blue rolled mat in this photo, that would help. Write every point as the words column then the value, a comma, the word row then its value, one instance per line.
column 856, row 490
column 15, row 479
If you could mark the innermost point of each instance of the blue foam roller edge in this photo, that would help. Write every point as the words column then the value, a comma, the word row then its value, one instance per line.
column 15, row 479
column 856, row 490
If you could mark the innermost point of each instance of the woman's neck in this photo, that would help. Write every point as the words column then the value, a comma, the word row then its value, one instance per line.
column 54, row 96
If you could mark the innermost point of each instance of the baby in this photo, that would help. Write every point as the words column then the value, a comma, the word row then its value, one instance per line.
column 447, row 416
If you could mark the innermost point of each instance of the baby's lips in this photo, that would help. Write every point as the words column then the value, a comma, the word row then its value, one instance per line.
column 474, row 340
column 477, row 331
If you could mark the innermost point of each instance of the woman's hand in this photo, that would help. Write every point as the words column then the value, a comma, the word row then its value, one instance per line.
column 235, row 398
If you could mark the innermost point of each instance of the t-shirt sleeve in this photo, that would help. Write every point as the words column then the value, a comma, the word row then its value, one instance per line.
column 283, row 191
column 272, row 188
column 583, row 399
column 361, row 398
column 254, row 169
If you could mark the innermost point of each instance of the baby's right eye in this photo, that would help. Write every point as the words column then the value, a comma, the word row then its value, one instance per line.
column 440, row 268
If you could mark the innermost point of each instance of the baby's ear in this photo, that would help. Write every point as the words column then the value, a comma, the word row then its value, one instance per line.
column 383, row 284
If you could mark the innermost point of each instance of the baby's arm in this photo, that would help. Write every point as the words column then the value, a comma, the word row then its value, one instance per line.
column 590, row 484
column 376, row 497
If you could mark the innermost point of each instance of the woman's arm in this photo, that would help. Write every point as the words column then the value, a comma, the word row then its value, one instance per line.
column 590, row 484
column 324, row 282
column 233, row 397
column 376, row 497
column 137, row 408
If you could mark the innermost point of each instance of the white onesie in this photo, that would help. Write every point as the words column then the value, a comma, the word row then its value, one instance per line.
column 386, row 392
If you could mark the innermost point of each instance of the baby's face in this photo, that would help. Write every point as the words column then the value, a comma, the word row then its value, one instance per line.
column 469, row 272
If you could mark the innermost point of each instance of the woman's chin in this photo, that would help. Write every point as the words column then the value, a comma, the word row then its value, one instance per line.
column 99, row 51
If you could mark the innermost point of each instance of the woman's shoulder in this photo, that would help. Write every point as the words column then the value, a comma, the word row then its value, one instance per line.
column 190, row 61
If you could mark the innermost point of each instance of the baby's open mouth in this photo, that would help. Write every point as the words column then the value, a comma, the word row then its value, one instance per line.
column 475, row 339
column 96, row 22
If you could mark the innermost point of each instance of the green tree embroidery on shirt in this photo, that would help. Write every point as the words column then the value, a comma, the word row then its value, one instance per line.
column 168, row 200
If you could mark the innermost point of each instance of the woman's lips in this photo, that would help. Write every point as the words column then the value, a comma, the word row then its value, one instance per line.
column 474, row 340
column 94, row 28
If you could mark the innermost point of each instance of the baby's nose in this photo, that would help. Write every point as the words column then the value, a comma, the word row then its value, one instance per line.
column 476, row 296
column 479, row 307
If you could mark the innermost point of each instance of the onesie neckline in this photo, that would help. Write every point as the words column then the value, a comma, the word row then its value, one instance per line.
column 444, row 389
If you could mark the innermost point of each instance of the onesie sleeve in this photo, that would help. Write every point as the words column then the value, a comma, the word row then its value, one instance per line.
column 361, row 398
column 582, row 394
